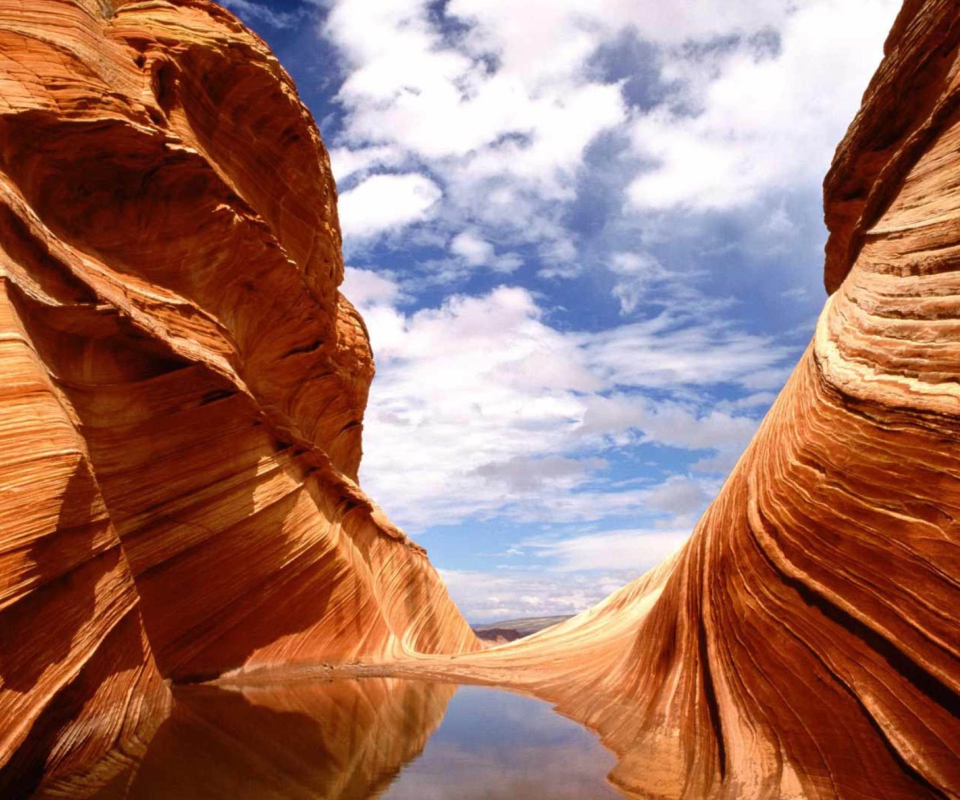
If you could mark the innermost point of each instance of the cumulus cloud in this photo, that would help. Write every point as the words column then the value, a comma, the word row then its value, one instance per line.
column 365, row 288
column 384, row 203
column 503, row 138
column 767, row 119
column 502, row 104
column 492, row 411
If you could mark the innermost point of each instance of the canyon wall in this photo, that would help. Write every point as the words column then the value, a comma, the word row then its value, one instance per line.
column 806, row 641
column 183, row 386
column 181, row 412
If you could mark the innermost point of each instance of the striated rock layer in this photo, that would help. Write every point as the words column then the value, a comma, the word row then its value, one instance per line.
column 183, row 387
column 181, row 413
column 806, row 641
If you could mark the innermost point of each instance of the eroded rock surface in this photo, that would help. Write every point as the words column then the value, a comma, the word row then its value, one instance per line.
column 806, row 641
column 183, row 386
column 181, row 413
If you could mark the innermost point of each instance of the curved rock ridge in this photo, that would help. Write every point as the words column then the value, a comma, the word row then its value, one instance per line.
column 806, row 641
column 184, row 385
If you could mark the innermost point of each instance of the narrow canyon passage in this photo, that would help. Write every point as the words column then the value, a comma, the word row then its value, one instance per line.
column 181, row 415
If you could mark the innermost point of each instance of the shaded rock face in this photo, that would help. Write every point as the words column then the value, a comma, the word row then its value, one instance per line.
column 806, row 641
column 183, row 385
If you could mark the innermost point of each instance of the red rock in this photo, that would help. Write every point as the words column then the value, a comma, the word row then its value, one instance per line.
column 181, row 427
column 806, row 641
column 184, row 386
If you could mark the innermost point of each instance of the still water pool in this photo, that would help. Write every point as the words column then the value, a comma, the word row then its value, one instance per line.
column 366, row 738
column 493, row 744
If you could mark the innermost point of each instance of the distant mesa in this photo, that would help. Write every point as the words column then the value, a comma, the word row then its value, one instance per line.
column 509, row 630
column 181, row 417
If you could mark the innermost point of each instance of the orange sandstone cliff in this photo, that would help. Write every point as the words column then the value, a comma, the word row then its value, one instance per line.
column 806, row 641
column 182, row 388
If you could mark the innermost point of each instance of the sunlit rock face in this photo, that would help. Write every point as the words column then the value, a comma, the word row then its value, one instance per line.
column 806, row 642
column 79, row 688
column 183, row 384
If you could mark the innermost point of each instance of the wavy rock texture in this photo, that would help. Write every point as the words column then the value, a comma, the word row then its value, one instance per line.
column 78, row 683
column 806, row 641
column 183, row 384
column 181, row 434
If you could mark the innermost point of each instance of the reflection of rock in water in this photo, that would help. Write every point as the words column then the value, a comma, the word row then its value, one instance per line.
column 337, row 740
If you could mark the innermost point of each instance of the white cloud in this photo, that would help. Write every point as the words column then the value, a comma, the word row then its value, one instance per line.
column 635, row 264
column 636, row 551
column 346, row 162
column 768, row 121
column 638, row 272
column 681, row 496
column 668, row 351
column 523, row 473
column 569, row 576
column 669, row 422
column 502, row 140
column 502, row 109
column 365, row 288
column 385, row 203
column 515, row 594
column 472, row 249
column 503, row 106
column 512, row 416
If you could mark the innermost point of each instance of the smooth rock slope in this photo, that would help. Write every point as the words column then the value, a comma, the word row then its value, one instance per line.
column 183, row 387
column 806, row 641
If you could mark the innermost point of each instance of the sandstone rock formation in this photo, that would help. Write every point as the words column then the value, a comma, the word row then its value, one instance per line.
column 181, row 413
column 183, row 387
column 806, row 641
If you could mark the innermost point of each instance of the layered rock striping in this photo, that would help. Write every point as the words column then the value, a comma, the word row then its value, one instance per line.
column 183, row 386
column 181, row 414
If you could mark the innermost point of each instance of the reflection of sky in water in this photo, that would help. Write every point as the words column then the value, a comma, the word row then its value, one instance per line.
column 346, row 739
column 493, row 745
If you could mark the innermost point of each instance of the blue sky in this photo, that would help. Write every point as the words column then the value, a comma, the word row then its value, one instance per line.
column 586, row 236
